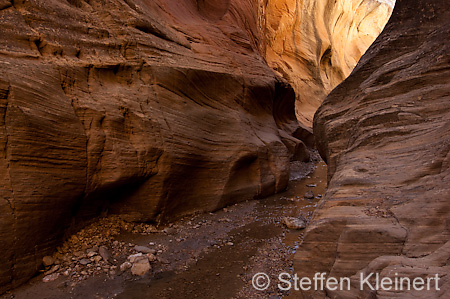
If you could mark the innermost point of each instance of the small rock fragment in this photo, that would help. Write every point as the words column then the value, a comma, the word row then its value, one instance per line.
column 50, row 277
column 125, row 266
column 141, row 267
column 85, row 261
column 311, row 185
column 93, row 249
column 97, row 259
column 134, row 257
column 52, row 270
column 48, row 261
column 294, row 223
column 151, row 257
column 309, row 195
column 104, row 253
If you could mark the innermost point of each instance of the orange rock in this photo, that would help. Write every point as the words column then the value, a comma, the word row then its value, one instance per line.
column 386, row 209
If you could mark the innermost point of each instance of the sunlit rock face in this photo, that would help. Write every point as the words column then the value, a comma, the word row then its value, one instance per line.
column 316, row 44
column 385, row 134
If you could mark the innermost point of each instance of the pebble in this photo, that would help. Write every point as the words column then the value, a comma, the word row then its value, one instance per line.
column 85, row 262
column 151, row 257
column 97, row 259
column 125, row 266
column 50, row 277
column 309, row 195
column 294, row 223
column 93, row 249
column 104, row 253
column 230, row 243
column 141, row 267
column 52, row 270
column 134, row 257
column 48, row 261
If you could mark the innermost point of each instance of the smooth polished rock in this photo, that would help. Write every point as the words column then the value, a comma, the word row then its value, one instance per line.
column 384, row 133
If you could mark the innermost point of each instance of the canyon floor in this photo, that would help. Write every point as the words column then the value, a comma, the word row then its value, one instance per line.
column 211, row 255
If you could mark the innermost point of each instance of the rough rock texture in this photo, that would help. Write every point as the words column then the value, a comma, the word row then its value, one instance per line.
column 385, row 135
column 151, row 109
column 316, row 44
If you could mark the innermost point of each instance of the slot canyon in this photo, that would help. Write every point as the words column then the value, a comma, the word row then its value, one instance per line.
column 178, row 149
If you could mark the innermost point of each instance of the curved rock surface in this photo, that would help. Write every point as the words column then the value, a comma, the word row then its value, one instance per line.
column 385, row 135
column 316, row 44
column 150, row 109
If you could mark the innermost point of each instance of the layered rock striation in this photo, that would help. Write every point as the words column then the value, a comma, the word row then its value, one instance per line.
column 384, row 133
column 316, row 44
column 148, row 109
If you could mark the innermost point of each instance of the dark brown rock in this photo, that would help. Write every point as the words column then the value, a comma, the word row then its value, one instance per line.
column 47, row 261
column 385, row 135
column 150, row 109
column 105, row 254
column 309, row 195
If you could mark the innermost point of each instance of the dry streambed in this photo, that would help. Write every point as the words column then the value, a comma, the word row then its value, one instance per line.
column 208, row 255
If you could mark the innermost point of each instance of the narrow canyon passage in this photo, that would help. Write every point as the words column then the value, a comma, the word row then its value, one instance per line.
column 142, row 143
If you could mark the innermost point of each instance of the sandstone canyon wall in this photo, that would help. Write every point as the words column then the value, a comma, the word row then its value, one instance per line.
column 150, row 109
column 385, row 135
column 316, row 44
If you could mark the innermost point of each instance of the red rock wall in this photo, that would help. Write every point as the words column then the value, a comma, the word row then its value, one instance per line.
column 385, row 135
column 151, row 109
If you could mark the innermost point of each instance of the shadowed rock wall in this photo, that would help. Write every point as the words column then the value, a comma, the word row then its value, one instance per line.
column 384, row 133
column 150, row 109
